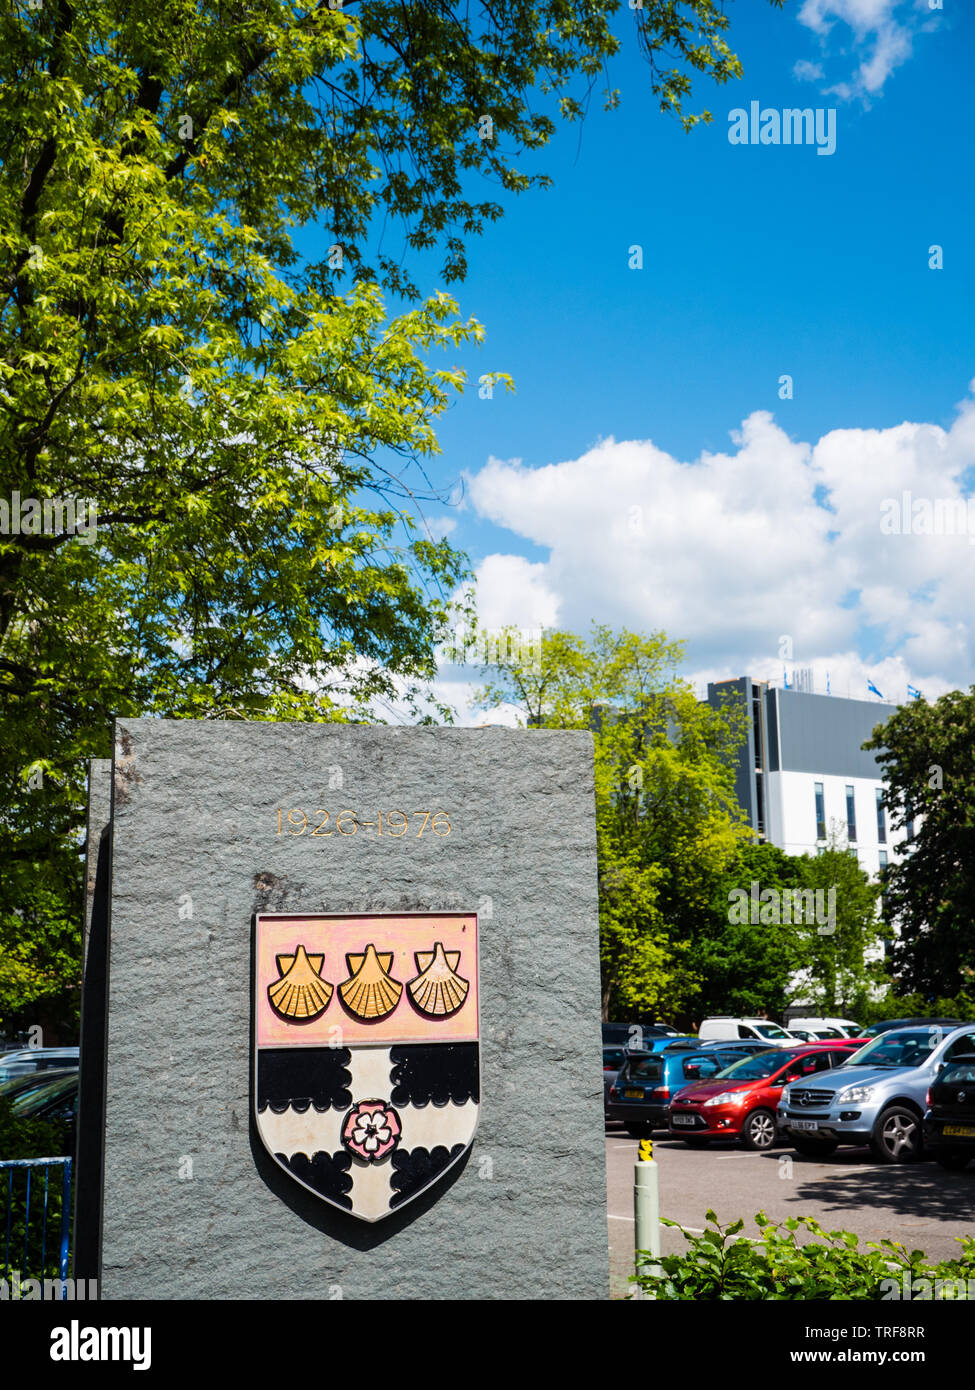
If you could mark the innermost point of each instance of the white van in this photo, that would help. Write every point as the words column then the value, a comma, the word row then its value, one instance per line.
column 827, row 1028
column 721, row 1029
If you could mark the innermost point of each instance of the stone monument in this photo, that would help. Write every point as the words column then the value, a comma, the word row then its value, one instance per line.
column 341, row 1018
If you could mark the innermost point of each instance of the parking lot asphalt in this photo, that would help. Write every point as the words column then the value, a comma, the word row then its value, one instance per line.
column 919, row 1204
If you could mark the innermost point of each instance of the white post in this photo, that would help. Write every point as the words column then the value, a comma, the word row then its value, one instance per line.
column 646, row 1206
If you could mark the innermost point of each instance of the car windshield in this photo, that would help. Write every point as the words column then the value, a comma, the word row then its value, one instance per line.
column 907, row 1048
column 769, row 1030
column 754, row 1068
column 41, row 1095
column 643, row 1069
column 17, row 1085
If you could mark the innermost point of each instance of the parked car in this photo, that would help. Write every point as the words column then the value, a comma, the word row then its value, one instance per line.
column 877, row 1098
column 55, row 1099
column 630, row 1034
column 634, row 1034
column 890, row 1023
column 746, row 1046
column 685, row 1041
column 725, row 1029
column 34, row 1059
column 827, row 1027
column 640, row 1095
column 949, row 1122
column 740, row 1102
column 612, row 1061
column 16, row 1086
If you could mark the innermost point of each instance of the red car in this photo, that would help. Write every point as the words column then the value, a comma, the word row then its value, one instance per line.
column 740, row 1102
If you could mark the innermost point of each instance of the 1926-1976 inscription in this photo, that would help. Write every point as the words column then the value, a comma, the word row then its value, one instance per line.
column 395, row 823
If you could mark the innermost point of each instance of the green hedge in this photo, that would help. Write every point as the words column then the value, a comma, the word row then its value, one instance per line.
column 717, row 1266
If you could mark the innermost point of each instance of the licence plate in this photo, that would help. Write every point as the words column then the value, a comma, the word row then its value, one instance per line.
column 633, row 1095
column 803, row 1124
column 682, row 1119
column 960, row 1131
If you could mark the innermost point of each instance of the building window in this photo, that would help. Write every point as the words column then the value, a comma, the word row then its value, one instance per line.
column 883, row 859
column 881, row 818
column 910, row 826
column 760, row 805
column 820, row 812
column 851, row 816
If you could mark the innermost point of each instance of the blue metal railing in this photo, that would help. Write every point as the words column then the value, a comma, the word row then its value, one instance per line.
column 13, row 1220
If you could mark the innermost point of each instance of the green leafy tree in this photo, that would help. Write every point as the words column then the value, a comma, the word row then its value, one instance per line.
column 746, row 966
column 926, row 754
column 229, row 430
column 666, row 815
column 842, row 961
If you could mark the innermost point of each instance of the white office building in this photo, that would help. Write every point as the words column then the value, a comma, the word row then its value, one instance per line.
column 803, row 777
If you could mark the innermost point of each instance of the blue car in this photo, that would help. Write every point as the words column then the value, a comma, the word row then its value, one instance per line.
column 640, row 1095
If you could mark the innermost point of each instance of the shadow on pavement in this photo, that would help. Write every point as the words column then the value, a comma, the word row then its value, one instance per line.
column 910, row 1189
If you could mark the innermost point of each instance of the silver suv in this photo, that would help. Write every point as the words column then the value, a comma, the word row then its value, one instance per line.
column 876, row 1098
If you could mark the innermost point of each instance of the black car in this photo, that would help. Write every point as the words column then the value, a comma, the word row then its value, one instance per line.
column 28, row 1060
column 949, row 1123
column 629, row 1034
column 28, row 1083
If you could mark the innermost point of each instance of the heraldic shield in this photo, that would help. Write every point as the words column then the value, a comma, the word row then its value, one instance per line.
column 367, row 1077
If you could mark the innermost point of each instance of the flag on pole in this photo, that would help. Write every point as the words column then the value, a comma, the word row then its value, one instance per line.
column 785, row 679
column 871, row 686
column 828, row 691
column 913, row 692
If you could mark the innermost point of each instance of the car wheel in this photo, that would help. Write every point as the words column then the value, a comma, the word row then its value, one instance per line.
column 640, row 1129
column 813, row 1148
column 758, row 1131
column 896, row 1136
column 954, row 1159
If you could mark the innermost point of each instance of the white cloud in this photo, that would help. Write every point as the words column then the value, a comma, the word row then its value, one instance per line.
column 514, row 592
column 440, row 526
column 733, row 552
column 882, row 33
column 805, row 71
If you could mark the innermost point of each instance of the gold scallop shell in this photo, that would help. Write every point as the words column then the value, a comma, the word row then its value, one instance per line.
column 370, row 992
column 300, row 993
column 438, row 990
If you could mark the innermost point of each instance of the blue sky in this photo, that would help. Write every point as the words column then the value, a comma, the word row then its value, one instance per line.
column 616, row 483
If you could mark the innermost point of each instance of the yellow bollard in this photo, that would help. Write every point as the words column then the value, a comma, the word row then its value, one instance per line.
column 646, row 1206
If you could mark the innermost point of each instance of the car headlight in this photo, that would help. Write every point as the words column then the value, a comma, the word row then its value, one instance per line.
column 852, row 1094
column 784, row 1097
column 725, row 1098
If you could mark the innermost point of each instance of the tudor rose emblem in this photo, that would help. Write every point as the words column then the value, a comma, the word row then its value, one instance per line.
column 367, row 1079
